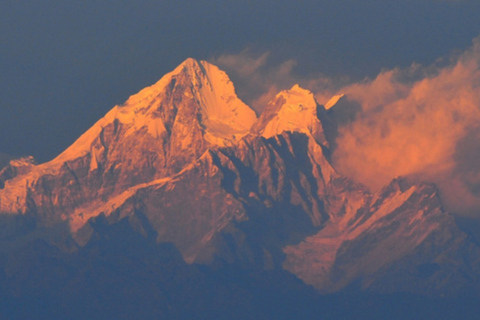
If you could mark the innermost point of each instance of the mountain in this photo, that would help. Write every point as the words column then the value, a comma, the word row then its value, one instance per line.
column 155, row 134
column 184, row 178
column 293, row 110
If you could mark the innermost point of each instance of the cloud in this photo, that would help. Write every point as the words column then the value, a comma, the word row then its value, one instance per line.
column 425, row 129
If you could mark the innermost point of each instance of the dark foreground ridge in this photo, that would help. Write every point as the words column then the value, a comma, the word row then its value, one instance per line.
column 120, row 274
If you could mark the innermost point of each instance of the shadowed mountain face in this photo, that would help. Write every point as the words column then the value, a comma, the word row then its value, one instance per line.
column 182, row 187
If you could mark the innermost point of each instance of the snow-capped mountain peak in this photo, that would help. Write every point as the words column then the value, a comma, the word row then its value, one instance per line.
column 205, row 91
column 292, row 110
column 222, row 113
column 298, row 97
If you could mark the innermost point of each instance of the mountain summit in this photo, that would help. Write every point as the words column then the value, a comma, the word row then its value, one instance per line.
column 186, row 162
column 292, row 110
column 195, row 100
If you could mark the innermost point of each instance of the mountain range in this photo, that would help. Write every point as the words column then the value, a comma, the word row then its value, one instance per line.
column 184, row 196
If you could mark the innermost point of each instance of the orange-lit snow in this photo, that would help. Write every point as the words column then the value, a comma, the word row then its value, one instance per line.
column 298, row 113
column 333, row 101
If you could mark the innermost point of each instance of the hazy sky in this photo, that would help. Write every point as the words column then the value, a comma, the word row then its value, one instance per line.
column 64, row 64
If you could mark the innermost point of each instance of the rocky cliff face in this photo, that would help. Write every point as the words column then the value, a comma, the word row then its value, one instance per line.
column 402, row 228
column 186, row 162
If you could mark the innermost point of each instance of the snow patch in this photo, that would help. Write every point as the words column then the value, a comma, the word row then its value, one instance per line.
column 390, row 204
column 297, row 113
column 23, row 162
column 223, row 113
column 333, row 101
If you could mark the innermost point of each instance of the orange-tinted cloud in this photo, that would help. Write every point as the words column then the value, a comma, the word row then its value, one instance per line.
column 421, row 129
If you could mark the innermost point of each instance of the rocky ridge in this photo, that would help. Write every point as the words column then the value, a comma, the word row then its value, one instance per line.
column 185, row 161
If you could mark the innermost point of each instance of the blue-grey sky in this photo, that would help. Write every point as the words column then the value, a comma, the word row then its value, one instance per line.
column 64, row 64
